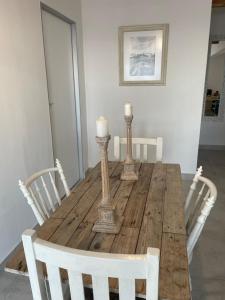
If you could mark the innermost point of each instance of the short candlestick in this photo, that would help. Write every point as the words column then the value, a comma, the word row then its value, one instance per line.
column 108, row 220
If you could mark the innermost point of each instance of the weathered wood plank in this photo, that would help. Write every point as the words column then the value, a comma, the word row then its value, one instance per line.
column 82, row 237
column 151, row 228
column 174, row 204
column 78, row 213
column 115, row 182
column 66, row 206
column 92, row 175
column 174, row 279
column 69, row 203
column 18, row 262
column 102, row 242
column 122, row 196
column 174, row 270
column 151, row 206
column 218, row 3
column 125, row 242
column 135, row 207
column 76, row 216
column 77, row 193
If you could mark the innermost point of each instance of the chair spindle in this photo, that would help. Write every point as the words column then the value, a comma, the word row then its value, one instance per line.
column 76, row 285
column 127, row 289
column 55, row 189
column 55, row 283
column 100, row 288
column 47, row 194
column 63, row 178
column 42, row 202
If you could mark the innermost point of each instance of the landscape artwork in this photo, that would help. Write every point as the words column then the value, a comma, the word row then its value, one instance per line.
column 143, row 53
column 142, row 56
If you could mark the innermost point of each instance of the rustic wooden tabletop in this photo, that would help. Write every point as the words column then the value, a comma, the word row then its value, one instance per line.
column 153, row 217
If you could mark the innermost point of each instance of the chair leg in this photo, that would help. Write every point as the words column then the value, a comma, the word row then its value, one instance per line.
column 190, row 284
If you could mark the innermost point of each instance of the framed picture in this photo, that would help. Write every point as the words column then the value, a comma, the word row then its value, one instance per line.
column 143, row 54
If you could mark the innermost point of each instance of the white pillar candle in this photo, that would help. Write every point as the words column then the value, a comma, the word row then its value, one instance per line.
column 128, row 109
column 102, row 127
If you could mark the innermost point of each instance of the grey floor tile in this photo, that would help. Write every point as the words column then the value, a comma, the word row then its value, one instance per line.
column 208, row 264
column 14, row 287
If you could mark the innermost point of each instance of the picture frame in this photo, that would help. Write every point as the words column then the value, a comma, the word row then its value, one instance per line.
column 143, row 53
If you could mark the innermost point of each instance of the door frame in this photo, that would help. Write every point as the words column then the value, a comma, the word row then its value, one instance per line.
column 77, row 111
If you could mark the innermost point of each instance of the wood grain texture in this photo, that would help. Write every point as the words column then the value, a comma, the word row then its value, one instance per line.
column 153, row 217
column 78, row 213
column 218, row 3
column 77, row 193
column 125, row 242
column 173, row 220
column 174, row 279
column 18, row 261
column 76, row 216
column 133, row 216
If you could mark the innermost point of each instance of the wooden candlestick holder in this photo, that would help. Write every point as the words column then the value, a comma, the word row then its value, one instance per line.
column 108, row 221
column 129, row 169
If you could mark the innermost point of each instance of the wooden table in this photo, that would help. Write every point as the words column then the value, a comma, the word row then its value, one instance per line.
column 153, row 217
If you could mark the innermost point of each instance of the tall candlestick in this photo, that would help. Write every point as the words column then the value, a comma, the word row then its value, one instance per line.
column 102, row 127
column 129, row 171
column 108, row 220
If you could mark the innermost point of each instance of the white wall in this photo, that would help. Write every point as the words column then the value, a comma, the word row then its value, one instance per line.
column 172, row 111
column 24, row 123
column 213, row 132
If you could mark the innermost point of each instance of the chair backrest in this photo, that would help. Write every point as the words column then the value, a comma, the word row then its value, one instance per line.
column 188, row 203
column 205, row 201
column 141, row 147
column 101, row 267
column 41, row 192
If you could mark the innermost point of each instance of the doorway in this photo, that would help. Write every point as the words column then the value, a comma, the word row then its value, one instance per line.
column 63, row 92
column 212, row 135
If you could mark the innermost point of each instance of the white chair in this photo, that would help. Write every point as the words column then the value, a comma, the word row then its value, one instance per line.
column 41, row 192
column 138, row 142
column 100, row 266
column 187, row 206
column 200, row 209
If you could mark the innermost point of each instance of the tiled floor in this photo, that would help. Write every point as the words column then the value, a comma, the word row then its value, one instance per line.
column 208, row 264
column 14, row 287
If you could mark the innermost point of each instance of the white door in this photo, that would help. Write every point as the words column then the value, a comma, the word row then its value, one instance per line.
column 60, row 76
